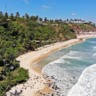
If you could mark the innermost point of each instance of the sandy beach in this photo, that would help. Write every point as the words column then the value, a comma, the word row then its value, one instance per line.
column 37, row 84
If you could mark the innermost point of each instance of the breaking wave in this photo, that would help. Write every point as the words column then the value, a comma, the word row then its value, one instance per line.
column 86, row 85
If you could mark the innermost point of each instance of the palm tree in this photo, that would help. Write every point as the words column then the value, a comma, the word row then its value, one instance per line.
column 40, row 19
column 11, row 16
column 17, row 15
column 27, row 16
column 6, row 15
column 1, row 14
column 45, row 19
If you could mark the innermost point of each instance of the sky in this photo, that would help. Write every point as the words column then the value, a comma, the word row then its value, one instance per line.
column 53, row 9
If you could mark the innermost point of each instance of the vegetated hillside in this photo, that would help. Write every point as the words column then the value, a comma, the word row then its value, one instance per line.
column 83, row 27
column 22, row 34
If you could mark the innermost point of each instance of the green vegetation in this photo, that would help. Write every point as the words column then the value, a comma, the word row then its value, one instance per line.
column 22, row 34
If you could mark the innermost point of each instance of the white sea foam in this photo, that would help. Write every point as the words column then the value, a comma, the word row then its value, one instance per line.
column 61, row 78
column 86, row 85
column 59, row 61
column 73, row 52
column 94, row 47
column 94, row 54
column 64, row 80
column 72, row 55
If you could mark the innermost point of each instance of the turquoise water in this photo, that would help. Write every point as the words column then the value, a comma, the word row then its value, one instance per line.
column 66, row 65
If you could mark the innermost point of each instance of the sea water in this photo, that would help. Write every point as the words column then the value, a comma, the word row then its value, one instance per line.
column 86, row 85
column 67, row 65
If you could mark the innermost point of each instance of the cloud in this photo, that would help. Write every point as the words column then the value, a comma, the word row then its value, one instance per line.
column 73, row 14
column 45, row 6
column 26, row 1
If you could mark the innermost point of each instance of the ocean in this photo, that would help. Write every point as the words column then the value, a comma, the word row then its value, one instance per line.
column 65, row 66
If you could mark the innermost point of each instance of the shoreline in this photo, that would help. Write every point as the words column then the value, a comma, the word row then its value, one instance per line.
column 36, row 80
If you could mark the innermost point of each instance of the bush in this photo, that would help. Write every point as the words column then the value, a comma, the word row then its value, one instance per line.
column 22, row 75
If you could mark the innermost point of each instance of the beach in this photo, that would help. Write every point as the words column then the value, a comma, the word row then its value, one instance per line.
column 37, row 85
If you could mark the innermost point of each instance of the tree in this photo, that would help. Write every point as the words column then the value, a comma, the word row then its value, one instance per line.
column 6, row 15
column 56, row 20
column 45, row 19
column 12, row 16
column 40, row 19
column 37, row 17
column 33, row 18
column 1, row 77
column 17, row 15
column 51, row 21
column 27, row 16
column 1, row 14
column 60, row 20
column 67, row 20
column 1, row 61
